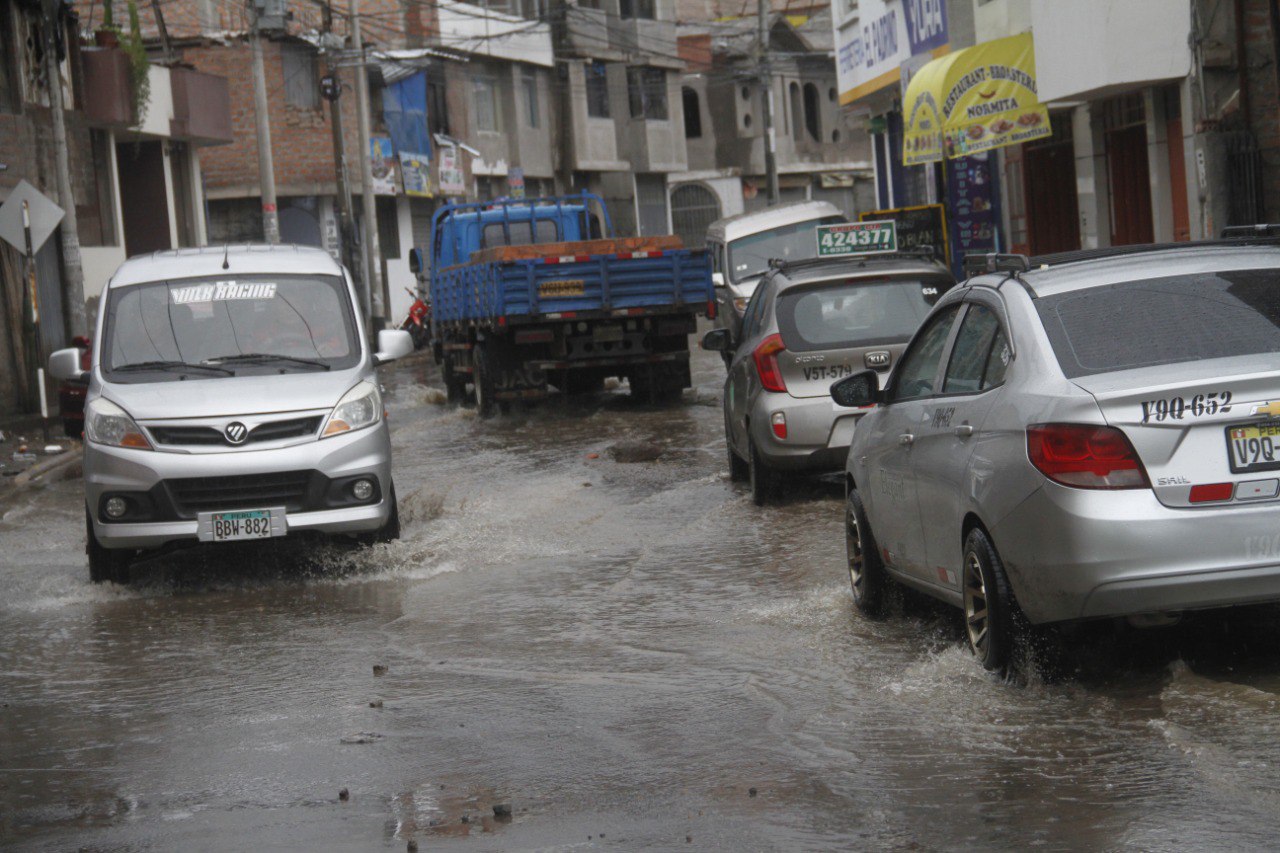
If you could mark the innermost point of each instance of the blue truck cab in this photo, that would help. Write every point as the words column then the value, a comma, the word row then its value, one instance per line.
column 465, row 232
column 533, row 294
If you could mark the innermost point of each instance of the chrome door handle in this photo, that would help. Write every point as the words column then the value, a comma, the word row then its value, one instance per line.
column 964, row 430
column 906, row 438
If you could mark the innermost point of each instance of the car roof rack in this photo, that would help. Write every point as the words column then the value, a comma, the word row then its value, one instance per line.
column 996, row 262
column 1233, row 236
column 1239, row 232
column 923, row 252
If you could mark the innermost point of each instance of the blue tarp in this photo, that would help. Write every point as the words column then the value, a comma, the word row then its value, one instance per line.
column 404, row 107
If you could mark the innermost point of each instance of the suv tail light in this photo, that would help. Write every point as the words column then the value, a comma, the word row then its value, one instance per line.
column 766, row 358
column 1085, row 456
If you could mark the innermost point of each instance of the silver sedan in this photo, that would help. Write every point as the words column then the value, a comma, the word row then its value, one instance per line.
column 808, row 324
column 1097, row 436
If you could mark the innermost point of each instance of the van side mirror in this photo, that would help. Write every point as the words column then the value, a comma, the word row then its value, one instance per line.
column 65, row 364
column 416, row 265
column 857, row 391
column 717, row 340
column 717, row 279
column 392, row 344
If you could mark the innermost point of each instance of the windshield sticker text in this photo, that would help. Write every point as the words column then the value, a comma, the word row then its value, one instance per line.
column 1177, row 408
column 220, row 291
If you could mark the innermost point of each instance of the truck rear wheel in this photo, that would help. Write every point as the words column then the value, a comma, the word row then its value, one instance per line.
column 659, row 383
column 482, row 359
column 455, row 384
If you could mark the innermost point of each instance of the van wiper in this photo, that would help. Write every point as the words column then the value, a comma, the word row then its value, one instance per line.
column 171, row 365
column 266, row 358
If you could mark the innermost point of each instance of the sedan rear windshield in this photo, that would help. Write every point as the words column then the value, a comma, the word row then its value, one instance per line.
column 855, row 313
column 1160, row 321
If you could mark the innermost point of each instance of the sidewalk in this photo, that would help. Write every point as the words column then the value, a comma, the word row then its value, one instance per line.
column 26, row 458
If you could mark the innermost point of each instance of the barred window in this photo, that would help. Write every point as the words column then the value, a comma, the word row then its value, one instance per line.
column 597, row 90
column 647, row 92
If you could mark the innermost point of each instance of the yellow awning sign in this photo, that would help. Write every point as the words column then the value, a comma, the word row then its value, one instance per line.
column 980, row 98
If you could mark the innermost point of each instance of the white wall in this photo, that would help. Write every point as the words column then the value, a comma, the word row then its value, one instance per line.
column 1087, row 46
column 398, row 275
column 100, row 262
column 474, row 29
column 999, row 18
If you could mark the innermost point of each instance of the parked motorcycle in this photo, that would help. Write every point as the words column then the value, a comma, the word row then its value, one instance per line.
column 418, row 323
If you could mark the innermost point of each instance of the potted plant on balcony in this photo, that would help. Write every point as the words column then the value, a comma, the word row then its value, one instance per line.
column 139, row 67
column 107, row 35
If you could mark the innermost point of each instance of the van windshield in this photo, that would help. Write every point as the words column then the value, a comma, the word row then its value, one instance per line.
column 749, row 256
column 206, row 328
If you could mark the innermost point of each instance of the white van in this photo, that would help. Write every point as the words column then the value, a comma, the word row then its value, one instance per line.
column 741, row 247
column 232, row 396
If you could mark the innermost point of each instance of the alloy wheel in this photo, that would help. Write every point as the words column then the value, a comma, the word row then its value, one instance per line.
column 853, row 551
column 975, row 606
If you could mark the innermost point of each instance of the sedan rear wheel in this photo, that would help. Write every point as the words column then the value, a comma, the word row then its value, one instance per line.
column 766, row 483
column 866, row 570
column 990, row 612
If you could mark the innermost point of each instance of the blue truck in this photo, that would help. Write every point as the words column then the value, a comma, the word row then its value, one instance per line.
column 531, row 294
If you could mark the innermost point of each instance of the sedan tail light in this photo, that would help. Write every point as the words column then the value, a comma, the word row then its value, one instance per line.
column 766, row 358
column 1085, row 456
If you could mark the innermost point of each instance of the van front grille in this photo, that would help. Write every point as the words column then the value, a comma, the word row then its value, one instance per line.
column 206, row 435
column 252, row 491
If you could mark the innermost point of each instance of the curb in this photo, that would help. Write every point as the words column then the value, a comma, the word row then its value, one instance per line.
column 47, row 466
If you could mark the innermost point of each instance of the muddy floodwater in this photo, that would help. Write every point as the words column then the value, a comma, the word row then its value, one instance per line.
column 587, row 622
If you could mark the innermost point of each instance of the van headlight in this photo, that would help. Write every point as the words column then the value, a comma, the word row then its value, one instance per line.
column 359, row 408
column 107, row 423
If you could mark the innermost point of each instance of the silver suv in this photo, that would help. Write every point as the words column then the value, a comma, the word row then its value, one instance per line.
column 808, row 324
column 1077, row 437
column 231, row 397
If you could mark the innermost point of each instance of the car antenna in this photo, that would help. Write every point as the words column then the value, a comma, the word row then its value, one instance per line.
column 225, row 251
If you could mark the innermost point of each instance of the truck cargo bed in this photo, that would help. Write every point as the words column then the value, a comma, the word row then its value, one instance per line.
column 553, row 285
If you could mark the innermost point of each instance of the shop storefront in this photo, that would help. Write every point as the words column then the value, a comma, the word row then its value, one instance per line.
column 961, row 110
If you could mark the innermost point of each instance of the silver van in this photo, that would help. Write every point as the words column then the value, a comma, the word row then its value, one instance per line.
column 741, row 247
column 231, row 397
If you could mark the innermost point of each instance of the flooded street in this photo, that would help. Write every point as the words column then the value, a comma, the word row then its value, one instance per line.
column 627, row 653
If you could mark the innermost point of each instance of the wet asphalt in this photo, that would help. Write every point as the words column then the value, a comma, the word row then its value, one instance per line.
column 617, row 654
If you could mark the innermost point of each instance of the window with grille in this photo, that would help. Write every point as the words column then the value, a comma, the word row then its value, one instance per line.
column 597, row 90
column 647, row 92
column 643, row 9
column 484, row 90
column 437, row 103
column 10, row 94
column 529, row 82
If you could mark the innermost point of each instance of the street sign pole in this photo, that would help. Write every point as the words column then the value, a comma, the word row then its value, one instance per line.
column 33, row 297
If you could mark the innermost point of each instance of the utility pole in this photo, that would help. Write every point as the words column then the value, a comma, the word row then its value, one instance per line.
column 342, row 199
column 266, row 167
column 369, row 245
column 766, row 100
column 72, row 268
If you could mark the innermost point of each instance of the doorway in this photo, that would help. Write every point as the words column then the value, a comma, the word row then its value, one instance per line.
column 1049, row 183
column 143, row 198
column 1125, row 137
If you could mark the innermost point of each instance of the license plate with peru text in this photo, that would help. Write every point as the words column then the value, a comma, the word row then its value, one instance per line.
column 235, row 525
column 1254, row 447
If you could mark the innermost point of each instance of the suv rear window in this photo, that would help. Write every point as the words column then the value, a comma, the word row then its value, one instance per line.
column 843, row 314
column 1167, row 320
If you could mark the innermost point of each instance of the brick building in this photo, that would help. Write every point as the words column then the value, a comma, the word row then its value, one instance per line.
column 135, row 179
